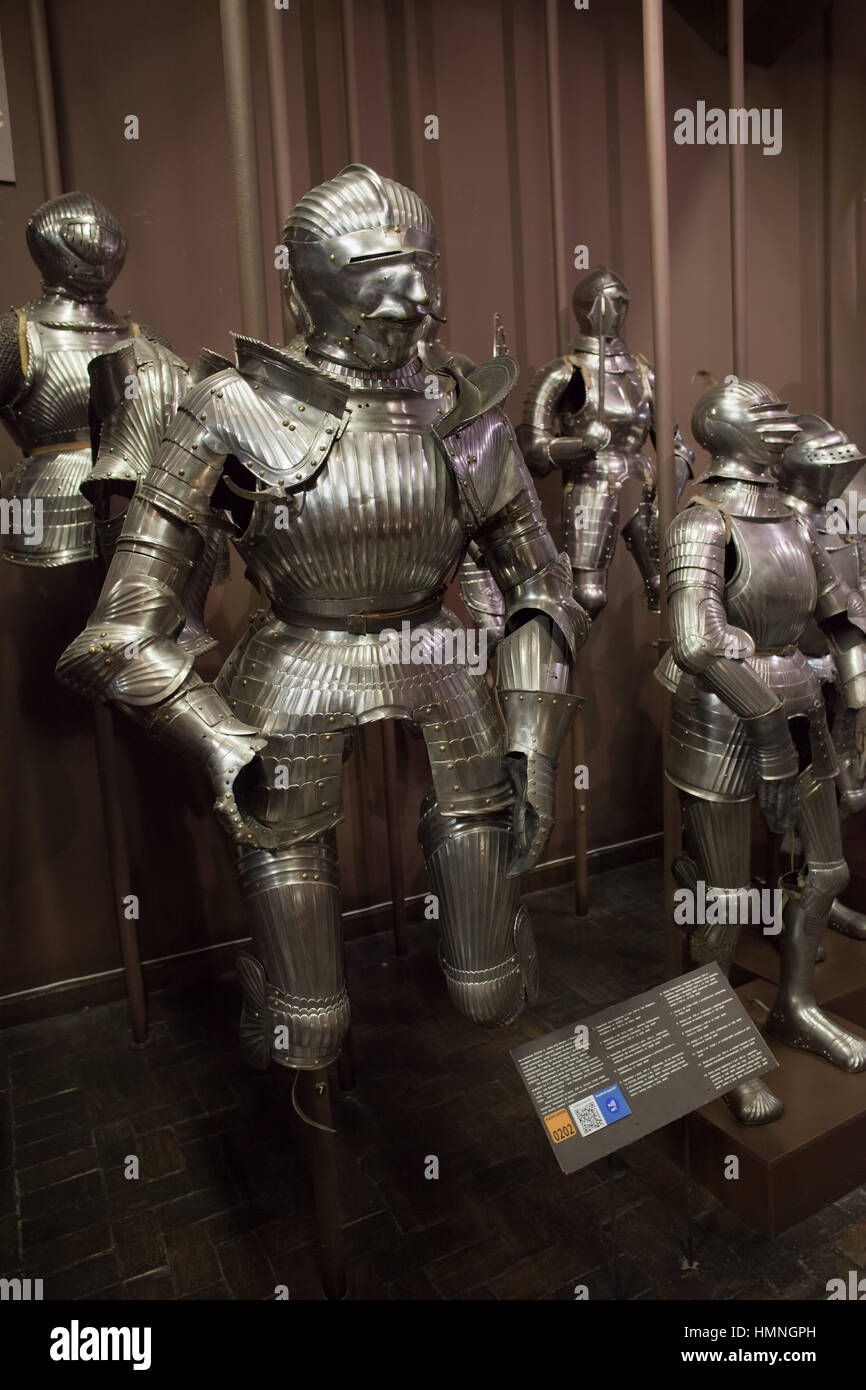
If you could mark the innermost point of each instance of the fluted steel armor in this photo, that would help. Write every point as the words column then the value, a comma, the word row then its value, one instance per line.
column 590, row 413
column 352, row 469
column 745, row 574
column 45, row 349
column 814, row 472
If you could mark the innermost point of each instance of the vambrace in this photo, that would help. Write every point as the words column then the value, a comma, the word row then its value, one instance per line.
column 482, row 596
column 539, row 428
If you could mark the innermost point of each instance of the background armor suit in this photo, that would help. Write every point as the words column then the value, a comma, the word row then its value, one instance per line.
column 590, row 413
column 352, row 491
column 745, row 575
column 45, row 349
column 816, row 469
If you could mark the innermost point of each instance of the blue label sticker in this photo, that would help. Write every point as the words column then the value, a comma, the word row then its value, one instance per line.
column 612, row 1104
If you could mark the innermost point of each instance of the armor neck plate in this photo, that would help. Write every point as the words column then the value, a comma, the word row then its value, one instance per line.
column 85, row 316
column 751, row 500
column 271, row 366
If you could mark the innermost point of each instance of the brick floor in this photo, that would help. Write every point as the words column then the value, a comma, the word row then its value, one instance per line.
column 221, row 1207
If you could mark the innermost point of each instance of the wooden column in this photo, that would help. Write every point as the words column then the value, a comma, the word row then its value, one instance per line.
column 281, row 153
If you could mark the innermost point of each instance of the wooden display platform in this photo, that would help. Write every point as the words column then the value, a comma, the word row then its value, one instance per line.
column 788, row 1170
column 840, row 979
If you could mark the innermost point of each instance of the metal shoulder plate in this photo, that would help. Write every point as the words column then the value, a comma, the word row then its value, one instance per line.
column 276, row 417
column 134, row 391
column 484, row 387
column 477, row 435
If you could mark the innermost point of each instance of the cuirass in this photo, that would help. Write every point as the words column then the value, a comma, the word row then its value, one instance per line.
column 773, row 591
column 382, row 518
column 55, row 409
column 627, row 400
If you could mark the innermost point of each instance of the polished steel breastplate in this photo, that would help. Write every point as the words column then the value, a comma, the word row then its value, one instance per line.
column 383, row 516
column 773, row 591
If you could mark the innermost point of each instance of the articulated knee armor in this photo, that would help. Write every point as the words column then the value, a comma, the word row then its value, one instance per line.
column 590, row 414
column 812, row 477
column 45, row 349
column 745, row 576
column 351, row 469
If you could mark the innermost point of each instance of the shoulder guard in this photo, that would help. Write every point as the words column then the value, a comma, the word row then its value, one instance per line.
column 483, row 388
column 486, row 463
column 134, row 391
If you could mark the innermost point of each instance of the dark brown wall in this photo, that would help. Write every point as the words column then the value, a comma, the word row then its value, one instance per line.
column 479, row 65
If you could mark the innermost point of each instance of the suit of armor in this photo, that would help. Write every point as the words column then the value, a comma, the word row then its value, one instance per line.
column 745, row 575
column 590, row 414
column 816, row 469
column 45, row 349
column 351, row 487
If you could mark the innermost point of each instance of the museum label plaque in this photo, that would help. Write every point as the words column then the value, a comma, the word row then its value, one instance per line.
column 602, row 1083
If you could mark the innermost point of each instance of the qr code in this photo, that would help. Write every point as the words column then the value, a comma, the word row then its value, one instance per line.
column 587, row 1116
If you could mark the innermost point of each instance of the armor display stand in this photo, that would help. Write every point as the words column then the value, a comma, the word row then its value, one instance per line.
column 578, row 731
column 311, row 1088
column 103, row 727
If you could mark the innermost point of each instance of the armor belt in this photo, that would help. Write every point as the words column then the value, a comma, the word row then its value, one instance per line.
column 788, row 650
column 63, row 446
column 361, row 615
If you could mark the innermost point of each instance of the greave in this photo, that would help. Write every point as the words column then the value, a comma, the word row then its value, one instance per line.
column 488, row 950
column 296, row 1009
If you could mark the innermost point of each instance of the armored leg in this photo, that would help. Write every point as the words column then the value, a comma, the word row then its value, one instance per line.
column 852, row 798
column 589, row 522
column 295, row 1009
column 795, row 1017
column 488, row 950
column 718, row 836
column 641, row 536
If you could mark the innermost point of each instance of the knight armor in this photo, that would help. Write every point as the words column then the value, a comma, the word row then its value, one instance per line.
column 812, row 476
column 45, row 349
column 745, row 574
column 590, row 414
column 352, row 470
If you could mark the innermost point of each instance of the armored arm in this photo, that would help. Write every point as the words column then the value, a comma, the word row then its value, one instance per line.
column 481, row 595
column 543, row 627
column 129, row 652
column 540, row 434
column 707, row 646
column 841, row 614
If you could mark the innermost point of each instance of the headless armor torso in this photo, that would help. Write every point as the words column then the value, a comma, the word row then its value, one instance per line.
column 58, row 338
column 771, row 594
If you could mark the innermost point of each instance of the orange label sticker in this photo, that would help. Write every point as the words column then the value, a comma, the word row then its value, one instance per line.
column 560, row 1126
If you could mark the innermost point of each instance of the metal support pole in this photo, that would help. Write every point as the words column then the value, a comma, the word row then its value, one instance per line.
column 554, row 126
column 313, row 1099
column 657, row 167
column 281, row 155
column 395, row 847
column 350, row 78
column 45, row 99
column 245, row 173
column 737, row 157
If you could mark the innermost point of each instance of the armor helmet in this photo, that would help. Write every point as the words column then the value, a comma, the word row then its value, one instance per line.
column 820, row 463
column 744, row 427
column 77, row 245
column 363, row 277
column 600, row 302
